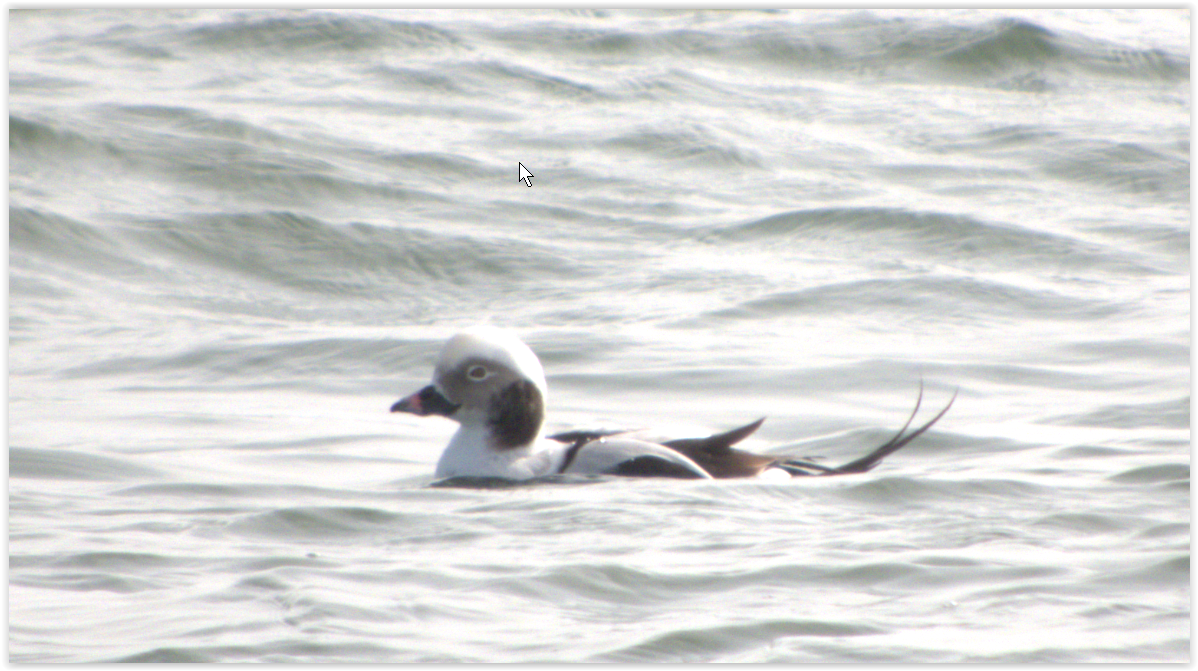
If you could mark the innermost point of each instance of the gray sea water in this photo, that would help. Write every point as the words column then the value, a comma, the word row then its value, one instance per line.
column 236, row 237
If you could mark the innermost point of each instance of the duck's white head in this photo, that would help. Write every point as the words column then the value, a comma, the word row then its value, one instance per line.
column 485, row 378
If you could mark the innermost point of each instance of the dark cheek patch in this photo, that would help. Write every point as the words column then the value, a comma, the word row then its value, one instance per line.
column 516, row 414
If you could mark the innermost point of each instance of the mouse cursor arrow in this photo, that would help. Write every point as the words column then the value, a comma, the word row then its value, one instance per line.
column 525, row 176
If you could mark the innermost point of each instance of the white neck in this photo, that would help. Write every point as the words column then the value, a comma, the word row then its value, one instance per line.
column 469, row 453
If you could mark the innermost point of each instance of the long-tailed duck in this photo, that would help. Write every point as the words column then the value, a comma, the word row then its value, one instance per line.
column 493, row 385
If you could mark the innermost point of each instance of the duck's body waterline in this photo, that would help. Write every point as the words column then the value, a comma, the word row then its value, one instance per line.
column 493, row 385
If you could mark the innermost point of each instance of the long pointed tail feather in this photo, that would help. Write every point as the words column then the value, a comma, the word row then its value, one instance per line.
column 802, row 467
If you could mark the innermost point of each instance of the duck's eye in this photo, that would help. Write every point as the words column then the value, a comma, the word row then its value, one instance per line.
column 478, row 373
